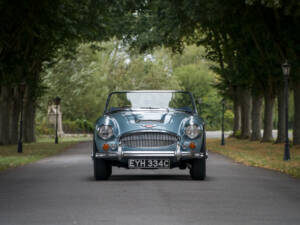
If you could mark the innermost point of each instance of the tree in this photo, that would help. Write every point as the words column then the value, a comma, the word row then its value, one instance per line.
column 33, row 32
column 85, row 80
column 267, row 30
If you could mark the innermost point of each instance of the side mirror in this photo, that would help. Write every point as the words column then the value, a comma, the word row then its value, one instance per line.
column 199, row 102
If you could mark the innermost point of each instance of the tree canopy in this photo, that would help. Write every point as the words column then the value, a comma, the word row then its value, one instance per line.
column 247, row 40
column 85, row 80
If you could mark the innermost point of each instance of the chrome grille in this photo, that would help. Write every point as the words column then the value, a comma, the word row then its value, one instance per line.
column 148, row 140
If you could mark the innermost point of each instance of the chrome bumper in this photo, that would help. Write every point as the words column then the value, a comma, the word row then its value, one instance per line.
column 178, row 154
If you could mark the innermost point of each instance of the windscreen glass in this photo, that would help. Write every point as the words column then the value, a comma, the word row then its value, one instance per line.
column 180, row 101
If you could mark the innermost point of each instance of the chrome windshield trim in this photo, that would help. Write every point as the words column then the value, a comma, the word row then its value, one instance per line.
column 151, row 91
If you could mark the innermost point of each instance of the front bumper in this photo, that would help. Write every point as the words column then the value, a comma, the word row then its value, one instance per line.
column 176, row 154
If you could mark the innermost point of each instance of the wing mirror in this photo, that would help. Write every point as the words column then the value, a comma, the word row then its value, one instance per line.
column 199, row 102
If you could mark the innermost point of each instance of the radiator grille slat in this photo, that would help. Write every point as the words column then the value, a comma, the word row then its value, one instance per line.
column 148, row 140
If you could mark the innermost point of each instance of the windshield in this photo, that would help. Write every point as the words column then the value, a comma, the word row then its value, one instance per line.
column 180, row 101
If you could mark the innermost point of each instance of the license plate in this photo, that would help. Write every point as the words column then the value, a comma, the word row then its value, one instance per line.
column 149, row 163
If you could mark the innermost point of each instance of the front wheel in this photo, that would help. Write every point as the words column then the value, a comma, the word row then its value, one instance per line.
column 198, row 169
column 102, row 169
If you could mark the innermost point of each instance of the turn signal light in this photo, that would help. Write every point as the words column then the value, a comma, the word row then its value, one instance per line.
column 192, row 145
column 105, row 147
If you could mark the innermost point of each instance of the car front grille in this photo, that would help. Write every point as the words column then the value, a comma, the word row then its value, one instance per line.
column 148, row 140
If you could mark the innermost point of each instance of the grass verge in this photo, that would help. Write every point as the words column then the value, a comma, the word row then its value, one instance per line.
column 264, row 155
column 44, row 147
column 50, row 139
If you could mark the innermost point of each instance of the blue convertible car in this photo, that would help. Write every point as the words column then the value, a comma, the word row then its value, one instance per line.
column 149, row 130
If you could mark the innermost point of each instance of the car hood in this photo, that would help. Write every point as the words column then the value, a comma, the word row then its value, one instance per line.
column 171, row 121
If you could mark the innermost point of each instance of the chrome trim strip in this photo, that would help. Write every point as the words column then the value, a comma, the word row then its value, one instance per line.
column 119, row 153
column 106, row 155
column 178, row 154
column 148, row 139
column 149, row 154
column 150, row 131
column 178, row 151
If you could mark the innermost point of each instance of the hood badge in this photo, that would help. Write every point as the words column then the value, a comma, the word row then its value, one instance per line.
column 149, row 125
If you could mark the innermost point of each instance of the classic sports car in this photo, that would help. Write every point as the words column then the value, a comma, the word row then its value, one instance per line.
column 149, row 130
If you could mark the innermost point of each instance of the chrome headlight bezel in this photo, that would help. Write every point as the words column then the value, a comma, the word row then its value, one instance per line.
column 192, row 131
column 105, row 132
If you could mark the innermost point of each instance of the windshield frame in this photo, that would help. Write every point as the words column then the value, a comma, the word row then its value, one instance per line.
column 194, row 111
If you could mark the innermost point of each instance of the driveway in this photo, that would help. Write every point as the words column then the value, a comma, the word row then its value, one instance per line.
column 61, row 191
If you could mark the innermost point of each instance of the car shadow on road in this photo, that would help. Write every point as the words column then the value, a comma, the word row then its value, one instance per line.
column 147, row 177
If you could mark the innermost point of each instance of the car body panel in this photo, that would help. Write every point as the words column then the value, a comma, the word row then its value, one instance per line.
column 149, row 120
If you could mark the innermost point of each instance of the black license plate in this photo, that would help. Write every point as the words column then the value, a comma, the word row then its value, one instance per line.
column 149, row 163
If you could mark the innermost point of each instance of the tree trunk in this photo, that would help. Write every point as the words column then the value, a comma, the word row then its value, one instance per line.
column 237, row 114
column 256, row 117
column 268, row 116
column 4, row 115
column 281, row 116
column 296, row 131
column 14, row 116
column 29, row 119
column 246, row 113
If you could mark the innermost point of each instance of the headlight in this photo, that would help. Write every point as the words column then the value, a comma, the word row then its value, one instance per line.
column 192, row 131
column 105, row 132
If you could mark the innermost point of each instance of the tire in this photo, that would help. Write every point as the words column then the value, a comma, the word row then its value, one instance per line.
column 102, row 169
column 182, row 166
column 198, row 169
column 109, row 169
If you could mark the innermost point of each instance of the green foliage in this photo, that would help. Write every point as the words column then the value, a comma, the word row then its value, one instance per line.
column 247, row 39
column 77, row 126
column 193, row 74
column 70, row 127
column 228, row 119
column 43, row 127
column 85, row 80
column 36, row 34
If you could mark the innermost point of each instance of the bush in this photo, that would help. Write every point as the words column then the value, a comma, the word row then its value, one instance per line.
column 228, row 119
column 69, row 127
column 43, row 127
column 77, row 126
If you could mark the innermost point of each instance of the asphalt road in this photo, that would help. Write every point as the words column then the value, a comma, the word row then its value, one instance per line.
column 61, row 191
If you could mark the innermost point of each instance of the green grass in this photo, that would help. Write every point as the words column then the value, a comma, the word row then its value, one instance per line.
column 44, row 147
column 264, row 155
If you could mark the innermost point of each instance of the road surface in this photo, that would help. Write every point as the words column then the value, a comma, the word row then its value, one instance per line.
column 61, row 191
